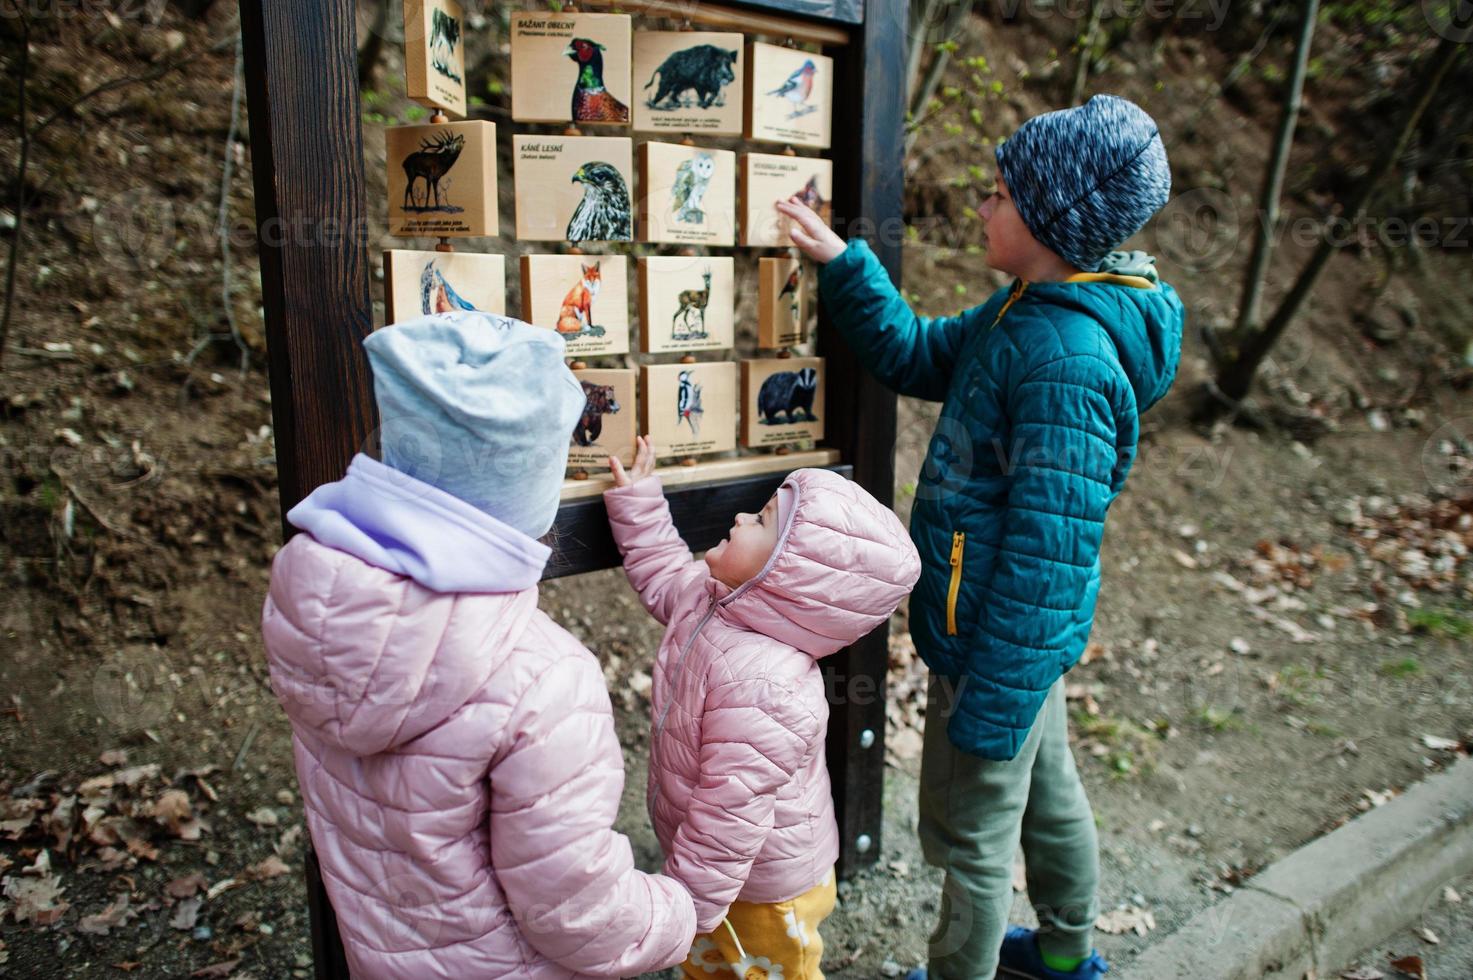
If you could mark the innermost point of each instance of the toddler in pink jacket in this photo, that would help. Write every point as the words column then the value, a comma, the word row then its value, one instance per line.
column 455, row 747
column 738, row 787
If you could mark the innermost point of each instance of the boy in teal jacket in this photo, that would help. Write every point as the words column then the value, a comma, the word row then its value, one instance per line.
column 1042, row 388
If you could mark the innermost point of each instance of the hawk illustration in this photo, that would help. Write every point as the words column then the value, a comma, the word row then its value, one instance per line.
column 603, row 215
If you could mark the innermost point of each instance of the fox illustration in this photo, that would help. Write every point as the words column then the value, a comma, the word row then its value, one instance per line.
column 576, row 316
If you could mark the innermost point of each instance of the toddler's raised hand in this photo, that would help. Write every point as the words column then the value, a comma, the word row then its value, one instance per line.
column 644, row 463
column 816, row 239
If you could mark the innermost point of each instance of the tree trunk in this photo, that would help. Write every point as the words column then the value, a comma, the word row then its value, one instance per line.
column 1237, row 377
column 1086, row 50
column 1273, row 180
column 373, row 46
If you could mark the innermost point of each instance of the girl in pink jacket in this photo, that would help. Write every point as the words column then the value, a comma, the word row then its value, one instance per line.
column 455, row 747
column 738, row 787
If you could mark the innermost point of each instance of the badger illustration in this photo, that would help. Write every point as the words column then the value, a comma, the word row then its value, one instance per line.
column 788, row 393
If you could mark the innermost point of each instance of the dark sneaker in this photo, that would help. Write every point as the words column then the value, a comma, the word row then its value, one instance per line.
column 1020, row 958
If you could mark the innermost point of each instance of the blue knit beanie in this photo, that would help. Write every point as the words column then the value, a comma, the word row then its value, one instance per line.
column 480, row 406
column 1086, row 179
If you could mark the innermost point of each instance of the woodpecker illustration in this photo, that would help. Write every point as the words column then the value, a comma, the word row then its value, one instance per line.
column 688, row 404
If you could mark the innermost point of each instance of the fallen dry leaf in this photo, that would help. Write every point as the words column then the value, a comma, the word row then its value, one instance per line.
column 1127, row 918
column 114, row 757
column 221, row 969
column 271, row 867
column 1427, row 936
column 186, row 912
column 1439, row 744
column 263, row 817
column 186, row 886
column 35, row 900
column 1363, row 973
column 1410, row 965
column 115, row 916
column 1449, row 895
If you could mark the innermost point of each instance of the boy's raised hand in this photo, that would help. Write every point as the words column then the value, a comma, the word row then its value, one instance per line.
column 816, row 239
column 644, row 463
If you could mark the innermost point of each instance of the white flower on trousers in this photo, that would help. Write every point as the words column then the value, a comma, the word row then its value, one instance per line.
column 707, row 955
column 758, row 968
column 795, row 928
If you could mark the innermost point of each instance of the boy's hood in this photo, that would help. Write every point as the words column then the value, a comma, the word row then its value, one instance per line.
column 1141, row 314
column 392, row 611
column 842, row 564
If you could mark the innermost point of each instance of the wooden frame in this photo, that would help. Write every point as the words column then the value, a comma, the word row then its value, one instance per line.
column 307, row 151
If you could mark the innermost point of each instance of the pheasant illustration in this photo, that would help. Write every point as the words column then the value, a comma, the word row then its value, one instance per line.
column 437, row 295
column 603, row 214
column 592, row 101
column 797, row 89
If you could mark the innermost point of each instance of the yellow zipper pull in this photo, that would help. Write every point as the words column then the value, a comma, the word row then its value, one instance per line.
column 957, row 540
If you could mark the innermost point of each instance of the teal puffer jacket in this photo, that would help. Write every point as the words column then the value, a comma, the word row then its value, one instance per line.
column 1042, row 389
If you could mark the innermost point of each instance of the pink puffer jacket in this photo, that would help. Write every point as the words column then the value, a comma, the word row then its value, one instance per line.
column 738, row 788
column 455, row 749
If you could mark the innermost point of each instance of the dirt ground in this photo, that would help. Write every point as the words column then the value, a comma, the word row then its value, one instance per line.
column 1283, row 632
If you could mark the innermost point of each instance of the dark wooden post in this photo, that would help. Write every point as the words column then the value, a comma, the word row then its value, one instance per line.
column 868, row 152
column 301, row 73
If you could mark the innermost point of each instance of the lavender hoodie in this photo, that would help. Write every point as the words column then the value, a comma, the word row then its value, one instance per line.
column 455, row 747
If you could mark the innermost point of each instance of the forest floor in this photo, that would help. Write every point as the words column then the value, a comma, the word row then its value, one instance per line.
column 1282, row 638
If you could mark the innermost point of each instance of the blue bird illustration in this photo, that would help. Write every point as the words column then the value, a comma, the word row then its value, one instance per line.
column 437, row 295
column 797, row 88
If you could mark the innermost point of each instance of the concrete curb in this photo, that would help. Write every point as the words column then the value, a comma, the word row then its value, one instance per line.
column 1320, row 906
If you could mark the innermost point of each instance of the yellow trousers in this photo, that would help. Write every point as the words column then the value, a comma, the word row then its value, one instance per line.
column 773, row 941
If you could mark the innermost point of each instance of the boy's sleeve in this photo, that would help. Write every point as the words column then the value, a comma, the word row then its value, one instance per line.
column 568, row 876
column 1064, row 456
column 657, row 561
column 755, row 735
column 915, row 355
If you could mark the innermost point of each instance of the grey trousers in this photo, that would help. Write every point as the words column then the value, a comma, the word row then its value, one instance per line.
column 973, row 815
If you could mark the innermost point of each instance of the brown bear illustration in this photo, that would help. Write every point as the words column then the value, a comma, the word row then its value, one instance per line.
column 599, row 401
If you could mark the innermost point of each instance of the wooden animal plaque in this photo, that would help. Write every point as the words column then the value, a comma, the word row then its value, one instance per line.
column 420, row 283
column 689, row 409
column 583, row 297
column 570, row 68
column 687, row 195
column 782, row 400
column 781, row 318
column 607, row 425
column 574, row 188
column 434, row 58
column 442, row 180
column 687, row 303
column 790, row 96
column 692, row 82
column 767, row 178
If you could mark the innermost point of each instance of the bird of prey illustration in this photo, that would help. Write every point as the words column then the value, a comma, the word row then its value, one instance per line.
column 603, row 214
column 592, row 101
column 797, row 89
column 437, row 295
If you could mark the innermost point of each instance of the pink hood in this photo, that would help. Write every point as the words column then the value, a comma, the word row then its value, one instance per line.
column 738, row 789
column 842, row 564
column 456, row 754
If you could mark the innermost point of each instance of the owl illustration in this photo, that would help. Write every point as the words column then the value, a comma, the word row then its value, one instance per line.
column 691, row 181
column 603, row 214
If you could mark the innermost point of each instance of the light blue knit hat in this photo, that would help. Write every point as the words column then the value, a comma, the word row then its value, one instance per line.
column 481, row 406
column 1086, row 179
